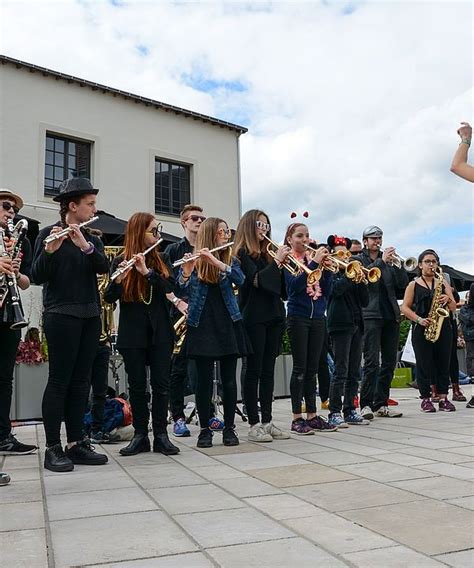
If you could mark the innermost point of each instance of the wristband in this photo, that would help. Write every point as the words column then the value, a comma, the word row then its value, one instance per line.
column 149, row 274
column 175, row 300
column 90, row 249
column 466, row 141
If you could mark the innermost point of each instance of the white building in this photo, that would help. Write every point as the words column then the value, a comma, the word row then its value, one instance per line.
column 142, row 154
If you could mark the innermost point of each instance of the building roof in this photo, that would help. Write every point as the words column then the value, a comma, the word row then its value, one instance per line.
column 4, row 60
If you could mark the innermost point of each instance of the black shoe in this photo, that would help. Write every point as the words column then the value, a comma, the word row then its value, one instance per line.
column 204, row 438
column 229, row 437
column 162, row 445
column 56, row 460
column 83, row 453
column 140, row 443
column 103, row 438
column 10, row 446
column 470, row 404
column 4, row 478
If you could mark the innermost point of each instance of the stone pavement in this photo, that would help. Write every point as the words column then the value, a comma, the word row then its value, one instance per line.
column 397, row 493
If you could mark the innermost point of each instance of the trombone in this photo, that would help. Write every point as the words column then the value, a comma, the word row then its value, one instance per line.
column 409, row 264
column 196, row 255
column 293, row 265
column 121, row 269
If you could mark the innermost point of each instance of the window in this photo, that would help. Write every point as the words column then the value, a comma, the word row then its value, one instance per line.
column 171, row 187
column 65, row 158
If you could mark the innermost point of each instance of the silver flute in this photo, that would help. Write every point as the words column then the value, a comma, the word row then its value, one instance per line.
column 67, row 230
column 196, row 255
column 121, row 269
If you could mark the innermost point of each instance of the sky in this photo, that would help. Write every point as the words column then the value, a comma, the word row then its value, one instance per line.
column 352, row 107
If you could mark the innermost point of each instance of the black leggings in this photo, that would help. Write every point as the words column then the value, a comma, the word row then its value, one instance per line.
column 259, row 376
column 432, row 360
column 323, row 370
column 205, row 376
column 99, row 384
column 9, row 340
column 72, row 345
column 306, row 338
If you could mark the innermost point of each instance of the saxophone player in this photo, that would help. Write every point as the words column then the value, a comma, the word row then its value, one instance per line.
column 426, row 301
column 10, row 204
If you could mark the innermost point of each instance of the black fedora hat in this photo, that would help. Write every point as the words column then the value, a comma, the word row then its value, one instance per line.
column 74, row 187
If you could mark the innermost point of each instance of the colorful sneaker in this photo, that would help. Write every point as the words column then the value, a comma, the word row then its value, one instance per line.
column 392, row 402
column 427, row 405
column 325, row 405
column 275, row 432
column 216, row 424
column 301, row 428
column 180, row 429
column 336, row 419
column 367, row 413
column 385, row 412
column 470, row 404
column 99, row 438
column 354, row 418
column 10, row 446
column 446, row 405
column 355, row 402
column 319, row 424
column 257, row 434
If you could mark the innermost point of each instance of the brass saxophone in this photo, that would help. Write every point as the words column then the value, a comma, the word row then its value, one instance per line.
column 108, row 327
column 437, row 312
column 180, row 331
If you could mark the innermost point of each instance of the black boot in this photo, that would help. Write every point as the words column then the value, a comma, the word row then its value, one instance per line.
column 83, row 453
column 162, row 445
column 56, row 460
column 229, row 437
column 140, row 443
column 204, row 438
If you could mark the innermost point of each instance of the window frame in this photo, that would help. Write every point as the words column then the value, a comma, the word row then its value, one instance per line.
column 174, row 206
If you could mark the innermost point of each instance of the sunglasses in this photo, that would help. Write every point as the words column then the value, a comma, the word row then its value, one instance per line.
column 430, row 261
column 225, row 232
column 263, row 226
column 195, row 218
column 7, row 206
column 156, row 231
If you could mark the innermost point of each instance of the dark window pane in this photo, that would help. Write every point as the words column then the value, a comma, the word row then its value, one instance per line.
column 72, row 148
column 48, row 171
column 59, row 173
column 49, row 143
column 171, row 187
column 49, row 157
column 59, row 159
column 58, row 145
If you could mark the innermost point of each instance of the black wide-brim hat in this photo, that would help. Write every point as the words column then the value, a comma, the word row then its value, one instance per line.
column 74, row 187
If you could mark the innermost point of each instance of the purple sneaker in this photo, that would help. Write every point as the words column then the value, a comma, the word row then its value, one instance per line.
column 300, row 427
column 446, row 405
column 319, row 424
column 427, row 405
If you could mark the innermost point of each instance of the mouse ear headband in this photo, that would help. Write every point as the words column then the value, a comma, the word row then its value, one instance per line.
column 337, row 241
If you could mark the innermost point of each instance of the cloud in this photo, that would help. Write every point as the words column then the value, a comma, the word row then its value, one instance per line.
column 352, row 107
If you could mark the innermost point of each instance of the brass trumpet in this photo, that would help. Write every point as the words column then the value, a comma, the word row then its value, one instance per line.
column 293, row 265
column 196, row 255
column 409, row 264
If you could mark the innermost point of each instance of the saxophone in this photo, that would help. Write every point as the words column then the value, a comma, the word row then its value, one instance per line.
column 437, row 312
column 108, row 327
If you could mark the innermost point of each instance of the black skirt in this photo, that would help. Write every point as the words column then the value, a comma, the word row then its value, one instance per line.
column 216, row 335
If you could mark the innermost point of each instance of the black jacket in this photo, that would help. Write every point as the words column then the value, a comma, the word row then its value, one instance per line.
column 68, row 275
column 466, row 317
column 6, row 313
column 176, row 251
column 137, row 319
column 394, row 280
column 345, row 304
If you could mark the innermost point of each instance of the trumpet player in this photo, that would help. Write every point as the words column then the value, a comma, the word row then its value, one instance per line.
column 68, row 267
column 381, row 326
column 145, row 333
column 10, row 204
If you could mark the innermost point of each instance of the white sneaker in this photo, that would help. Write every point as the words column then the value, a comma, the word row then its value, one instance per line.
column 386, row 412
column 367, row 413
column 257, row 433
column 275, row 432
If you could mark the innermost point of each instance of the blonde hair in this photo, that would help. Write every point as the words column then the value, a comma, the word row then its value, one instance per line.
column 207, row 238
column 246, row 235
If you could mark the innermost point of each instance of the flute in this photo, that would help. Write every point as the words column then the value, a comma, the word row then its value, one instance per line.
column 197, row 255
column 67, row 230
column 121, row 269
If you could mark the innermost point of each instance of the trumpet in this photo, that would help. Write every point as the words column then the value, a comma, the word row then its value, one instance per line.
column 196, row 255
column 293, row 265
column 409, row 264
column 67, row 230
column 121, row 269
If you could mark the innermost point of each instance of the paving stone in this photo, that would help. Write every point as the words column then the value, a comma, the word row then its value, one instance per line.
column 463, row 450
column 282, row 506
column 334, row 457
column 23, row 549
column 407, row 524
column 74, row 482
column 20, row 462
column 192, row 560
column 405, row 459
column 21, row 492
column 247, row 487
column 23, row 473
column 435, row 455
column 437, row 487
column 383, row 472
column 466, row 502
column 293, row 475
column 122, row 537
column 355, row 494
column 395, row 557
column 98, row 503
column 169, row 475
column 194, row 459
column 274, row 554
column 220, row 471
column 196, row 498
column 234, row 526
column 450, row 470
column 16, row 516
column 258, row 460
column 242, row 448
column 462, row 559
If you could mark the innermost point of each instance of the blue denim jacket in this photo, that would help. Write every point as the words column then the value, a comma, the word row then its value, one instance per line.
column 196, row 292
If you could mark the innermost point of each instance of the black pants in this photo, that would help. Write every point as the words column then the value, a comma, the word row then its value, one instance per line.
column 99, row 384
column 432, row 360
column 260, row 373
column 72, row 345
column 158, row 359
column 470, row 358
column 380, row 341
column 182, row 382
column 323, row 370
column 347, row 349
column 9, row 340
column 205, row 376
column 454, row 363
column 306, row 338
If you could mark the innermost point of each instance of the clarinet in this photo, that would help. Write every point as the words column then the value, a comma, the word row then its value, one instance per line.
column 19, row 229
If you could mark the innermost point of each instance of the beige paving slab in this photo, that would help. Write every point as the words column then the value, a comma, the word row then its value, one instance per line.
column 20, row 462
column 194, row 459
column 21, row 492
column 219, row 471
column 98, row 503
column 23, row 473
column 407, row 524
column 168, row 475
column 462, row 559
column 395, row 557
column 450, row 470
column 149, row 458
column 243, row 448
column 463, row 450
column 282, row 506
column 404, row 459
column 17, row 516
column 235, row 526
column 337, row 457
column 274, row 554
column 247, row 487
column 333, row 443
column 434, row 442
column 353, row 494
column 195, row 498
column 122, row 537
column 258, row 460
column 469, row 464
column 435, row 455
column 75, row 482
column 191, row 560
column 298, row 447
column 293, row 475
column 383, row 472
column 437, row 487
column 23, row 549
column 466, row 502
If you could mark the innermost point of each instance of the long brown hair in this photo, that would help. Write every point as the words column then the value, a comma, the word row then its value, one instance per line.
column 207, row 238
column 246, row 235
column 135, row 285
column 291, row 230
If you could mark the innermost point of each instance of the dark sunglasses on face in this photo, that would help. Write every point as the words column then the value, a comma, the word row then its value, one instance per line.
column 196, row 218
column 7, row 206
column 156, row 230
column 263, row 226
column 224, row 232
